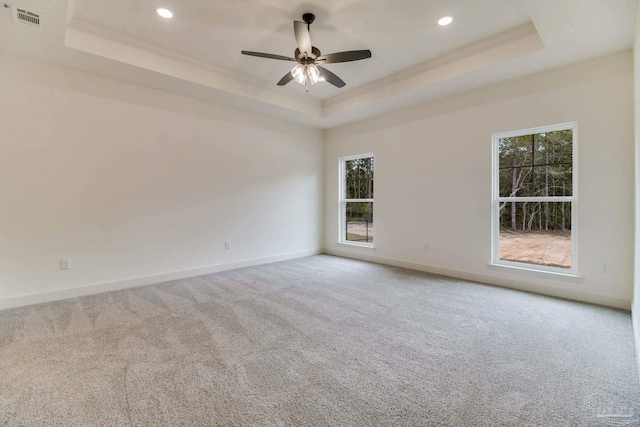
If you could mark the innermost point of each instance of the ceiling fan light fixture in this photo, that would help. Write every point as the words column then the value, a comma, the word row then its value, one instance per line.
column 165, row 13
column 299, row 74
column 313, row 74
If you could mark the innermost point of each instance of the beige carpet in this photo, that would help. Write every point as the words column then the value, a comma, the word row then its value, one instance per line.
column 315, row 342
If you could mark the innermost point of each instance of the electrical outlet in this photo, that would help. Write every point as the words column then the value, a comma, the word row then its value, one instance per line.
column 65, row 264
column 604, row 268
column 227, row 245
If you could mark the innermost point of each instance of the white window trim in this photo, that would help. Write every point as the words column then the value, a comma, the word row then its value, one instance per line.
column 342, row 202
column 496, row 199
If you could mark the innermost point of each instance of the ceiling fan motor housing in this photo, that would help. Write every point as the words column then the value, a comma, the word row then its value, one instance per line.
column 315, row 52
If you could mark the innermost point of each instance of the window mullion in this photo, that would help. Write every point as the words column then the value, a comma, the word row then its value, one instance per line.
column 566, row 199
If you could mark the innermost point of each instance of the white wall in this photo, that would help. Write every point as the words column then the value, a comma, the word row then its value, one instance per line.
column 433, row 177
column 635, row 311
column 137, row 185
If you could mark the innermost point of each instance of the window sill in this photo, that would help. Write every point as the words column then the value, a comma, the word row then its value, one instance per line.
column 358, row 245
column 569, row 276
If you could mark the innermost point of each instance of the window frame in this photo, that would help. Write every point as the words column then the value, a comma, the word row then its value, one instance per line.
column 342, row 201
column 496, row 200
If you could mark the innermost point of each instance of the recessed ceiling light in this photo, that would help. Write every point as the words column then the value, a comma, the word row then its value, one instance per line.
column 165, row 13
column 445, row 21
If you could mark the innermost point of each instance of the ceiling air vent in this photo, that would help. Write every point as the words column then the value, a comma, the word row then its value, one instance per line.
column 26, row 17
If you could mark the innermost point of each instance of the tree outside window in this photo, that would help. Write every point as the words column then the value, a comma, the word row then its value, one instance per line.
column 534, row 197
column 356, row 207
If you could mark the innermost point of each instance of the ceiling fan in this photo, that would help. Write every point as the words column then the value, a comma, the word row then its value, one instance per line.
column 308, row 70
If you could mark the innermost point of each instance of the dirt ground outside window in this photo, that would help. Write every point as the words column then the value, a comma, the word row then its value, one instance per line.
column 360, row 231
column 549, row 248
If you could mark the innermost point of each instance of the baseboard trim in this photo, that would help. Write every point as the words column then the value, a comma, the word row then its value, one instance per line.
column 635, row 322
column 61, row 294
column 490, row 280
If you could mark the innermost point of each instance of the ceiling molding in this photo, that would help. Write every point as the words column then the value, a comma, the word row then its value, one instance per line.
column 198, row 55
column 372, row 98
column 512, row 43
column 86, row 36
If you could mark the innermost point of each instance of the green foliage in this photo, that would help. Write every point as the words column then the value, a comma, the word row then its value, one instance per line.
column 359, row 178
column 359, row 185
column 536, row 165
column 359, row 211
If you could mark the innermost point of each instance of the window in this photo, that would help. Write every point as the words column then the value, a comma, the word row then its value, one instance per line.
column 356, row 200
column 534, row 199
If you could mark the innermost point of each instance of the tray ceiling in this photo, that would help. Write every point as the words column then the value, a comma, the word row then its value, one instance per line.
column 197, row 53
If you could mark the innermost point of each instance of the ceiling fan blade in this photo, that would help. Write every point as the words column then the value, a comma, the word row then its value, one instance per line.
column 268, row 55
column 328, row 76
column 302, row 37
column 286, row 79
column 352, row 55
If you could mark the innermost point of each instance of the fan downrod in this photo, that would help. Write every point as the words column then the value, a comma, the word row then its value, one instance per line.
column 308, row 18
